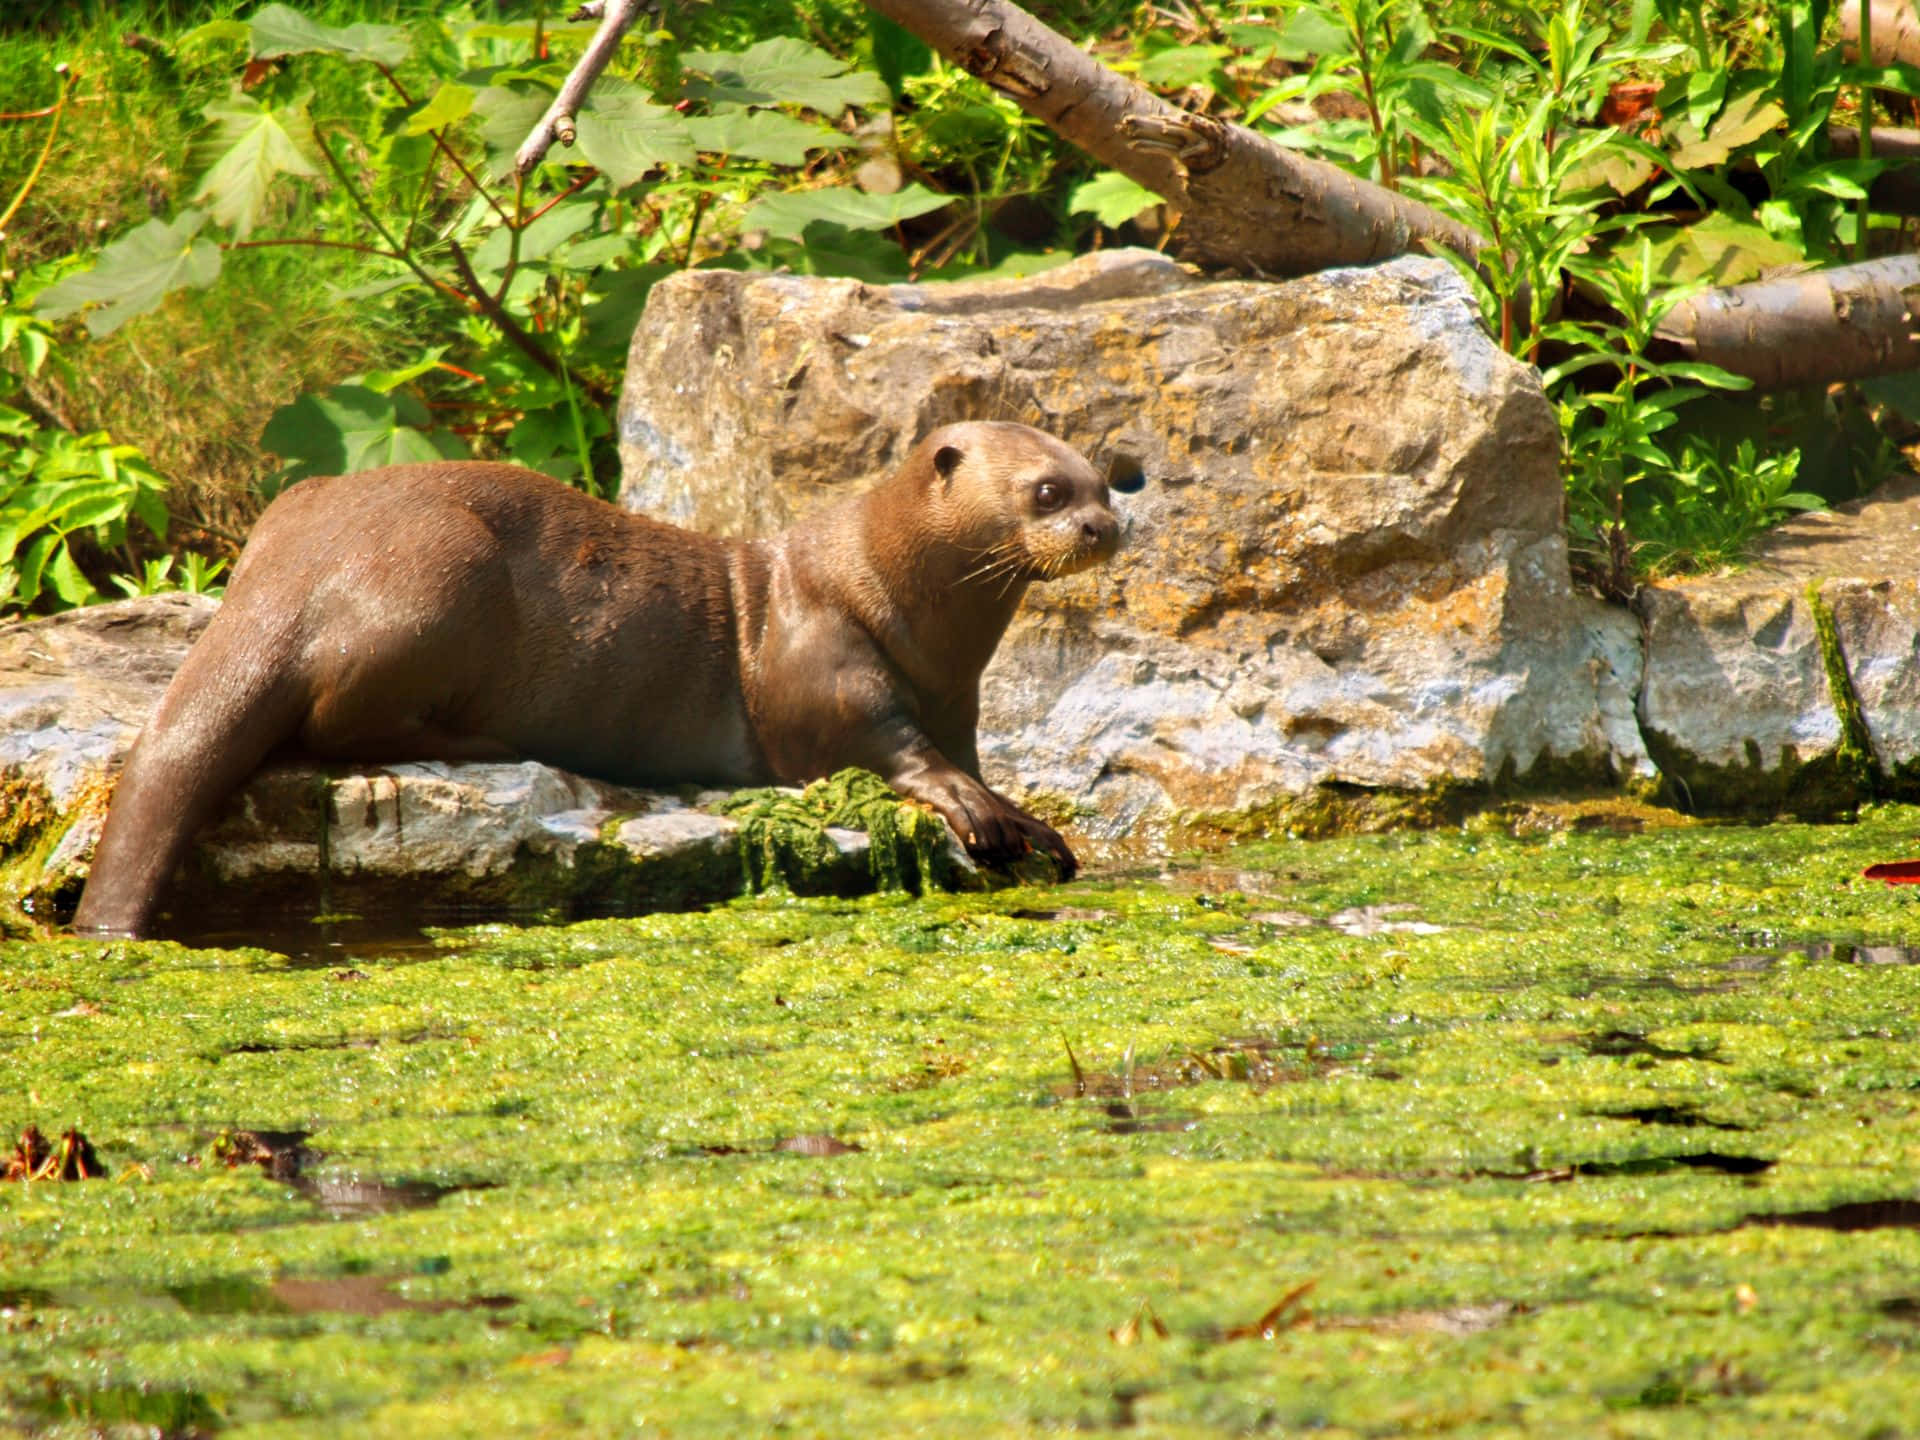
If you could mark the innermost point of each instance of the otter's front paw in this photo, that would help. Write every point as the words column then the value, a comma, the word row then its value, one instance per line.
column 1000, row 836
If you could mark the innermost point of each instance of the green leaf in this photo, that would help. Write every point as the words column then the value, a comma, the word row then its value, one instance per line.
column 278, row 30
column 508, row 113
column 1184, row 65
column 781, row 71
column 1111, row 198
column 350, row 428
column 1311, row 32
column 830, row 249
column 387, row 381
column 607, row 325
column 135, row 273
column 625, row 135
column 1720, row 250
column 539, row 238
column 450, row 104
column 245, row 149
column 1746, row 118
column 787, row 215
column 897, row 52
column 64, row 575
column 214, row 32
column 543, row 440
column 762, row 135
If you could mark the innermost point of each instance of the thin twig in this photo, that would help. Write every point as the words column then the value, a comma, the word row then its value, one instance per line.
column 557, row 123
column 440, row 143
column 502, row 321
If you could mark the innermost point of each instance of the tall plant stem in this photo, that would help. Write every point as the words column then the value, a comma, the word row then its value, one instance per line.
column 69, row 78
column 1862, row 213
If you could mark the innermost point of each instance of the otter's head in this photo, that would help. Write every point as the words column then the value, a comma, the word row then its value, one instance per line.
column 1053, row 509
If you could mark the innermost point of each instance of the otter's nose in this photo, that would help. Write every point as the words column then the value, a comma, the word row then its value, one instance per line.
column 1100, row 533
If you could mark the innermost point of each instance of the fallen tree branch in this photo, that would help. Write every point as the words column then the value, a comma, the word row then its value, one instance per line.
column 557, row 124
column 1847, row 323
column 1893, row 34
column 1244, row 203
column 1895, row 190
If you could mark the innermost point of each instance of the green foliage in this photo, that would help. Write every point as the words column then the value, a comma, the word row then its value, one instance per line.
column 135, row 273
column 1500, row 122
column 370, row 138
column 57, row 488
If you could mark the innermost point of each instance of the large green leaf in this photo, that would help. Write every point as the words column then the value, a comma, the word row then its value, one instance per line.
column 278, row 30
column 244, row 149
column 620, row 296
column 830, row 249
column 626, row 135
column 762, row 135
column 781, row 71
column 1746, row 118
column 1183, row 65
column 507, row 114
column 538, row 239
column 450, row 104
column 135, row 273
column 351, row 428
column 1111, row 198
column 786, row 215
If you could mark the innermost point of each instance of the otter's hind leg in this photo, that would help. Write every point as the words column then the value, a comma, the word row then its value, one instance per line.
column 234, row 699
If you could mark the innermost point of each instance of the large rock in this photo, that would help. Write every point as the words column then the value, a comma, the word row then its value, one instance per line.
column 1345, row 566
column 1739, row 705
column 427, row 840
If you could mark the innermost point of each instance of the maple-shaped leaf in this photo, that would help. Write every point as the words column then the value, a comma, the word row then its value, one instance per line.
column 781, row 71
column 279, row 30
column 135, row 273
column 625, row 135
column 245, row 148
column 786, row 215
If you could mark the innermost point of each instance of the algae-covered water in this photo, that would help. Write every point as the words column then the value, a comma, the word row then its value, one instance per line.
column 1568, row 1132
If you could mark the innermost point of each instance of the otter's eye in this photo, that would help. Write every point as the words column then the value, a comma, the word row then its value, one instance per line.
column 1049, row 495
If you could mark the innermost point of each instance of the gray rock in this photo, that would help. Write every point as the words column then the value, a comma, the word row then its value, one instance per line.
column 1346, row 564
column 75, row 689
column 1737, row 705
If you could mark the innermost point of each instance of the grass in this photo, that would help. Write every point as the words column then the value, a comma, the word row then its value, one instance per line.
column 1617, row 1139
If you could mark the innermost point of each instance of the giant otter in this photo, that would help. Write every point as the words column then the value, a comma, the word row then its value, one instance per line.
column 470, row 611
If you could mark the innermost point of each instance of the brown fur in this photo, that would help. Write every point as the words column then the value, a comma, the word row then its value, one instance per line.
column 468, row 611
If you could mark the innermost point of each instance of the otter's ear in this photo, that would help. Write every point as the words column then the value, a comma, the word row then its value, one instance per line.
column 946, row 460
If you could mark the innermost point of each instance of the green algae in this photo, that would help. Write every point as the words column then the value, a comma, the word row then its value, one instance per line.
column 784, row 843
column 1564, row 1127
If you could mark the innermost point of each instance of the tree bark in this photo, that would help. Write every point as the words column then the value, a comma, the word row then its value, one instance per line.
column 1895, row 190
column 1245, row 203
column 1895, row 31
column 1847, row 323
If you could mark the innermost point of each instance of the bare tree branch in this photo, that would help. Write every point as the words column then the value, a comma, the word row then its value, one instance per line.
column 1894, row 34
column 557, row 124
column 1245, row 203
column 1846, row 323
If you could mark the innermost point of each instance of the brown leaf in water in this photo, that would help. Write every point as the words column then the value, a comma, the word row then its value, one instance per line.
column 1143, row 1323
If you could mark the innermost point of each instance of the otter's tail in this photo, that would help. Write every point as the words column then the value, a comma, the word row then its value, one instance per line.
column 232, row 701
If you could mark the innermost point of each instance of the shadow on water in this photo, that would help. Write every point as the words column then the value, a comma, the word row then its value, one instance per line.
column 284, row 1155
column 312, row 944
column 317, row 1294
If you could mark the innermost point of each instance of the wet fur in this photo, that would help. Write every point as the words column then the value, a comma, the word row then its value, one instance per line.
column 468, row 611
